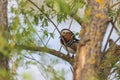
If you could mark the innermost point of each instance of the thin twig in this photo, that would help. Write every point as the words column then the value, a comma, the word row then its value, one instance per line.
column 117, row 39
column 113, row 24
column 70, row 24
column 115, row 42
column 60, row 48
column 35, row 31
column 50, row 21
column 108, row 39
column 50, row 37
column 115, row 4
column 113, row 27
column 32, row 58
column 117, row 15
column 32, row 27
column 45, row 15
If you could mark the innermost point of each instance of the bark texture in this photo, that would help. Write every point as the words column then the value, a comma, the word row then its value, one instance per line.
column 3, row 30
column 92, row 33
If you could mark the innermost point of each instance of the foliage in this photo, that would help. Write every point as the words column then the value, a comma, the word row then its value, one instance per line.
column 29, row 25
column 3, row 46
column 63, row 8
column 4, row 74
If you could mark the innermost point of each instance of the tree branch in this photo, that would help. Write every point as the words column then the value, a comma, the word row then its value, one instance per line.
column 77, row 18
column 110, row 59
column 48, row 50
column 49, row 20
column 115, row 4
column 45, row 15
column 108, row 38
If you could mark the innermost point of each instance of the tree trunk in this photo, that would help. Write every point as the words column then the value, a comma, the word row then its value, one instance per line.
column 92, row 33
column 3, row 31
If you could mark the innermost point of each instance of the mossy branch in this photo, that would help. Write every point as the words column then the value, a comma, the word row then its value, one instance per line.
column 47, row 50
column 110, row 59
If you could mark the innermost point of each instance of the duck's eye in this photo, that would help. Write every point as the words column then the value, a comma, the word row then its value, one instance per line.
column 63, row 32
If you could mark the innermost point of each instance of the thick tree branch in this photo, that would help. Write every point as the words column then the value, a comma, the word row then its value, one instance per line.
column 48, row 50
column 3, row 33
column 88, row 53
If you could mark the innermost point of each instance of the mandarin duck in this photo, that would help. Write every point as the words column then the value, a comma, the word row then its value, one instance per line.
column 68, row 40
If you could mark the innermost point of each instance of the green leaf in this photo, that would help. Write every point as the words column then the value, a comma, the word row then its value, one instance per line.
column 22, row 3
column 62, row 6
column 13, row 9
column 76, row 5
column 81, row 3
column 30, row 62
column 52, row 35
column 42, row 9
column 36, row 19
column 27, row 76
column 45, row 33
column 16, row 22
column 41, row 16
column 61, row 17
column 45, row 22
column 49, row 3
